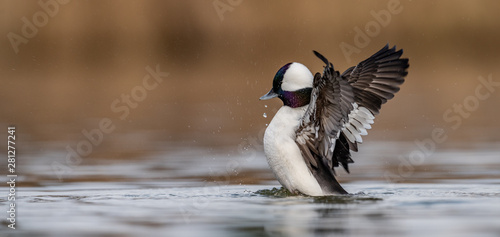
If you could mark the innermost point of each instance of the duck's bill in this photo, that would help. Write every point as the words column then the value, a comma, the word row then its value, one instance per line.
column 271, row 94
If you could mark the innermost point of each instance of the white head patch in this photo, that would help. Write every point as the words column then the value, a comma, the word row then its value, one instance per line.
column 297, row 77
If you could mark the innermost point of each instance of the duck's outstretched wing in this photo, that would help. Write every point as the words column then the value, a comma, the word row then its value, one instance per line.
column 332, row 99
column 374, row 81
column 343, row 106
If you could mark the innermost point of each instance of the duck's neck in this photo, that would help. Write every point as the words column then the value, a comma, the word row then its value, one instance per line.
column 296, row 98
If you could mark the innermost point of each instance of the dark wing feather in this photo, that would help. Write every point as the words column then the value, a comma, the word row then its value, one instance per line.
column 342, row 153
column 377, row 79
column 374, row 81
column 332, row 99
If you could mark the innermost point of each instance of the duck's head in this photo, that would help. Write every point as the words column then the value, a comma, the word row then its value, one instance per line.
column 292, row 84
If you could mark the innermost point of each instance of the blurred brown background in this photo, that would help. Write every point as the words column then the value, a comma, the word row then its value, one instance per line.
column 65, row 77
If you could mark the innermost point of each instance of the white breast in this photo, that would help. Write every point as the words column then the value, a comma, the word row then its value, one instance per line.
column 283, row 154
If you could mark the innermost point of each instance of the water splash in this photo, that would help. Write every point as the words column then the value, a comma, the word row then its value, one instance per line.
column 334, row 199
column 275, row 192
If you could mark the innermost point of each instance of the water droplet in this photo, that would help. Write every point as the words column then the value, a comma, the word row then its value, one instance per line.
column 264, row 115
column 265, row 106
column 266, row 124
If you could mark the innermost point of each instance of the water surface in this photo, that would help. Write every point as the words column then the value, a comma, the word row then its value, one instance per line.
column 200, row 192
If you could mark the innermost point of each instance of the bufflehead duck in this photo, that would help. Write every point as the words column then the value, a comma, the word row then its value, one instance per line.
column 324, row 116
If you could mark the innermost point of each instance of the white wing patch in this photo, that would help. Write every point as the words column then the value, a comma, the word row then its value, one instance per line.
column 360, row 119
column 302, row 137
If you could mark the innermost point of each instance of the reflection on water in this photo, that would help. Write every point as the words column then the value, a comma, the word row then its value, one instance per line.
column 206, row 192
column 339, row 199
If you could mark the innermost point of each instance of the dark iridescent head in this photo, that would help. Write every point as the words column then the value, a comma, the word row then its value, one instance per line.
column 292, row 84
